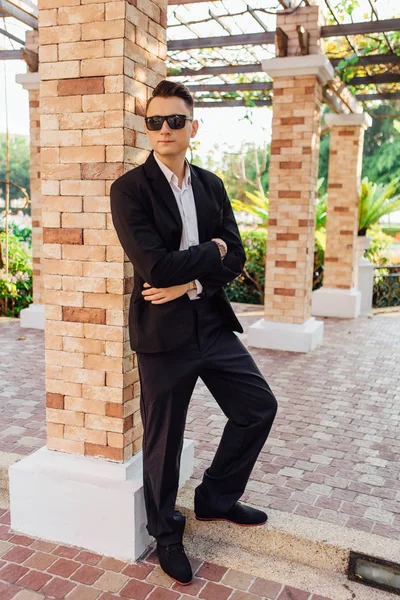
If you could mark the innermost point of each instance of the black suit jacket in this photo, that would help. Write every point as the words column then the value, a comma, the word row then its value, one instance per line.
column 148, row 224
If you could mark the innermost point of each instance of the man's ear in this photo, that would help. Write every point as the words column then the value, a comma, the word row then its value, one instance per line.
column 195, row 127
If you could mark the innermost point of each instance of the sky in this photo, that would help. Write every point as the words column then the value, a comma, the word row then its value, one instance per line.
column 224, row 126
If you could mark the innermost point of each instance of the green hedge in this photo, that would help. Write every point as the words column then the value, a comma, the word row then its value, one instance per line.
column 391, row 229
column 249, row 286
column 16, row 288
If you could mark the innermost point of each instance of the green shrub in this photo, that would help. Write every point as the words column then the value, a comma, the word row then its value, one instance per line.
column 16, row 288
column 379, row 244
column 249, row 286
column 391, row 230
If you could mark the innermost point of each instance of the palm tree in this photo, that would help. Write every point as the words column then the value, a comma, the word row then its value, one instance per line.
column 260, row 203
column 258, row 207
column 376, row 200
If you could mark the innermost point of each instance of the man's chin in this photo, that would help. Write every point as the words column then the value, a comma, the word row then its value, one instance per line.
column 168, row 150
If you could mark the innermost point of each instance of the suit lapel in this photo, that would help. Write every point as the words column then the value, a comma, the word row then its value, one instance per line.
column 200, row 199
column 162, row 188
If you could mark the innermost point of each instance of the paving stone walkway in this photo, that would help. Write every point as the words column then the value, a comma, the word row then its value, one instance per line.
column 32, row 569
column 333, row 454
column 334, row 450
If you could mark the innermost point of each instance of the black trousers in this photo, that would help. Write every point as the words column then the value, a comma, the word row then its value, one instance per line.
column 218, row 357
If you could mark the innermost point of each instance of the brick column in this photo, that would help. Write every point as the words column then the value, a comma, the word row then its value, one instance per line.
column 33, row 316
column 345, row 163
column 292, row 190
column 36, row 196
column 297, row 92
column 99, row 63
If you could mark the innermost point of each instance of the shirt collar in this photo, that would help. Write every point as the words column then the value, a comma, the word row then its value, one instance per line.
column 170, row 175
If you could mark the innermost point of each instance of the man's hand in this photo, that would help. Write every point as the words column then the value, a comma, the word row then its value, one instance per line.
column 163, row 295
column 222, row 247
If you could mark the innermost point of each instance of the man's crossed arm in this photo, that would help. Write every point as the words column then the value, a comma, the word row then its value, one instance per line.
column 161, row 268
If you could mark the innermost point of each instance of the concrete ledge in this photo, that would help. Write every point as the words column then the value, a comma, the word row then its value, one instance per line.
column 295, row 66
column 84, row 501
column 292, row 337
column 348, row 120
column 335, row 302
column 301, row 544
column 29, row 81
column 33, row 316
column 316, row 581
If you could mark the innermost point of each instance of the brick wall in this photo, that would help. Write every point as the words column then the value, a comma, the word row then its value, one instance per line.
column 345, row 162
column 98, row 65
column 32, row 43
column 292, row 191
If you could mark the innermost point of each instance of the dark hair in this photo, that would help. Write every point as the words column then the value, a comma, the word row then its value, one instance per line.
column 166, row 89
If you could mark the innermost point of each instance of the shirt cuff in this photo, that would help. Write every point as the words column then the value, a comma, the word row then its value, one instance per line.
column 198, row 286
column 195, row 293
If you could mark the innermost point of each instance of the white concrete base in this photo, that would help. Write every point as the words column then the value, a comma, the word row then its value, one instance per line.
column 366, row 272
column 335, row 302
column 33, row 316
column 85, row 501
column 303, row 337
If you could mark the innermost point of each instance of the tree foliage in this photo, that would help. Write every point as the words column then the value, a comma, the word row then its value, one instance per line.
column 19, row 164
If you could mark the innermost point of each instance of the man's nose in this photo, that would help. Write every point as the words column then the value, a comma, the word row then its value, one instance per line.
column 165, row 127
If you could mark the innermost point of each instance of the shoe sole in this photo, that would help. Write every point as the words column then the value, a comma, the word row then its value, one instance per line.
column 180, row 582
column 229, row 521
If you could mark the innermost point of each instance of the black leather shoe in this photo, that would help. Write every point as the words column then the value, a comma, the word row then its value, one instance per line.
column 174, row 562
column 239, row 514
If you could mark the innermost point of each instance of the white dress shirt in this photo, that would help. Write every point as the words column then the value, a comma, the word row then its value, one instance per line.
column 187, row 208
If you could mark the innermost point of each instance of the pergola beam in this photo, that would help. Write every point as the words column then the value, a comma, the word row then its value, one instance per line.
column 31, row 58
column 231, row 87
column 224, row 103
column 373, row 59
column 11, row 36
column 377, row 79
column 11, row 54
column 221, row 41
column 11, row 10
column 178, row 2
column 381, row 26
column 223, row 70
column 269, row 37
column 335, row 101
column 381, row 96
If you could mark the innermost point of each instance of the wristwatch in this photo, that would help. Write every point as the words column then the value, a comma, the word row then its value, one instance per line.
column 222, row 249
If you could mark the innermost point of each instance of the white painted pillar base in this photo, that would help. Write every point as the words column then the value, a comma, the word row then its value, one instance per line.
column 33, row 316
column 335, row 302
column 85, row 501
column 303, row 337
column 366, row 272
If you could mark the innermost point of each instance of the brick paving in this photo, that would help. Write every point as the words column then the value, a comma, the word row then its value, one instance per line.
column 334, row 450
column 32, row 569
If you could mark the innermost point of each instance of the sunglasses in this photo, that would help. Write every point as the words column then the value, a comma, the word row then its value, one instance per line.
column 174, row 122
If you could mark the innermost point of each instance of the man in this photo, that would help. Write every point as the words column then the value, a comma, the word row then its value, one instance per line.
column 175, row 223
